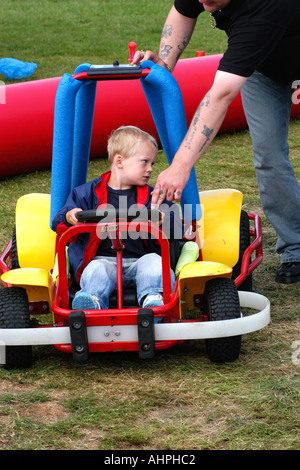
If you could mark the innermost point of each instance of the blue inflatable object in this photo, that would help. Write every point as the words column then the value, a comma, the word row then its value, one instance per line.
column 14, row 68
column 73, row 121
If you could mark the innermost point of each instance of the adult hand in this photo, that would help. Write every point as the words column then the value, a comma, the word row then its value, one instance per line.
column 141, row 56
column 169, row 185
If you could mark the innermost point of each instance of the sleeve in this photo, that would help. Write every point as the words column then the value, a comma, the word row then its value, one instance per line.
column 59, row 223
column 79, row 197
column 189, row 8
column 249, row 46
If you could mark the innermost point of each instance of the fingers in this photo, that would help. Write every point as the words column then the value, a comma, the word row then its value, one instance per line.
column 172, row 195
column 137, row 58
column 141, row 56
column 177, row 195
column 159, row 195
column 162, row 217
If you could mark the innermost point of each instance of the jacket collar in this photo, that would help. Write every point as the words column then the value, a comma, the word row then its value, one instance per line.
column 101, row 191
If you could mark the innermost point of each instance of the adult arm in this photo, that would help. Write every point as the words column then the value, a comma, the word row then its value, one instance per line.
column 203, row 128
column 176, row 34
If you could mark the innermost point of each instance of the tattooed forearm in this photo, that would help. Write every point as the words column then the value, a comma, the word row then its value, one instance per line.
column 193, row 127
column 165, row 48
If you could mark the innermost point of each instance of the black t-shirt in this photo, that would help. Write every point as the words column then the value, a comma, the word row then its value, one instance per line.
column 263, row 35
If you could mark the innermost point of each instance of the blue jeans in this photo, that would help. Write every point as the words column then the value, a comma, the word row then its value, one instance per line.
column 99, row 278
column 267, row 106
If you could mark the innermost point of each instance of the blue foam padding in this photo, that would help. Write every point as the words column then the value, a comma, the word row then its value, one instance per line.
column 14, row 68
column 73, row 120
column 85, row 102
column 63, row 136
column 82, row 68
column 84, row 115
column 166, row 105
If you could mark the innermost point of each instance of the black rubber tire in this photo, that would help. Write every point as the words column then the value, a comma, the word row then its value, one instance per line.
column 221, row 302
column 14, row 313
column 244, row 243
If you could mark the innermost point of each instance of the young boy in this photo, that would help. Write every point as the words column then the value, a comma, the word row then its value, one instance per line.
column 131, row 155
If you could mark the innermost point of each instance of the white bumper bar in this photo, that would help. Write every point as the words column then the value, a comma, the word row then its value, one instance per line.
column 167, row 331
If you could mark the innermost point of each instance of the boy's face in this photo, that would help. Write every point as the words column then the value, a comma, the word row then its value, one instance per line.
column 137, row 169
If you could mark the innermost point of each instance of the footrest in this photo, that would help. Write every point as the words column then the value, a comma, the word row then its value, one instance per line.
column 78, row 333
column 146, row 333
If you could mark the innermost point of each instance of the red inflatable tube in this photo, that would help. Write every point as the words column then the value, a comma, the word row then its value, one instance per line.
column 27, row 112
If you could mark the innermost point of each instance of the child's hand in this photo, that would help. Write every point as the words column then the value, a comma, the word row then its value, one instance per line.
column 71, row 216
column 161, row 218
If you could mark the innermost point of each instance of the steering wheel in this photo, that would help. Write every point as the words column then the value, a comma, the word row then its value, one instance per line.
column 111, row 215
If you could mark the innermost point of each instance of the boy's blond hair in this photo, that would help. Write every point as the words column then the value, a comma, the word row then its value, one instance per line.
column 124, row 140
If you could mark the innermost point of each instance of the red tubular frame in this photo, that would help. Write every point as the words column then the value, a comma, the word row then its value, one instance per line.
column 119, row 316
column 3, row 266
column 256, row 245
column 120, row 76
column 60, row 304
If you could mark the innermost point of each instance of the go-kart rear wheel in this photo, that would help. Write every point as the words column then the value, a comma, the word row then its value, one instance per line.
column 221, row 302
column 14, row 313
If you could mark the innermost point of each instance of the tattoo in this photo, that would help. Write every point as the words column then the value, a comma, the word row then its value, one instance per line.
column 207, row 132
column 193, row 128
column 178, row 193
column 167, row 31
column 165, row 51
column 183, row 44
column 206, row 100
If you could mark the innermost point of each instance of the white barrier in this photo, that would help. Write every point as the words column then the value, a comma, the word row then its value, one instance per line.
column 167, row 331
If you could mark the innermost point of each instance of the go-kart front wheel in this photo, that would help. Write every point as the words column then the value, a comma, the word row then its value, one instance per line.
column 221, row 302
column 14, row 313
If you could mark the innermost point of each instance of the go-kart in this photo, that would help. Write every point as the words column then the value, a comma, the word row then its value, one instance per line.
column 214, row 261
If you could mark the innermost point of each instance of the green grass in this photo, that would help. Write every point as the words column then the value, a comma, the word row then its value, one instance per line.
column 178, row 400
column 59, row 35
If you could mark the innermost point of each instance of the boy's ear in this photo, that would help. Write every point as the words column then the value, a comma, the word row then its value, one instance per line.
column 118, row 160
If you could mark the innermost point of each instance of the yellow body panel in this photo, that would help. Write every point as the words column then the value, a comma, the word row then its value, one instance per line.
column 192, row 281
column 35, row 239
column 37, row 282
column 219, row 230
